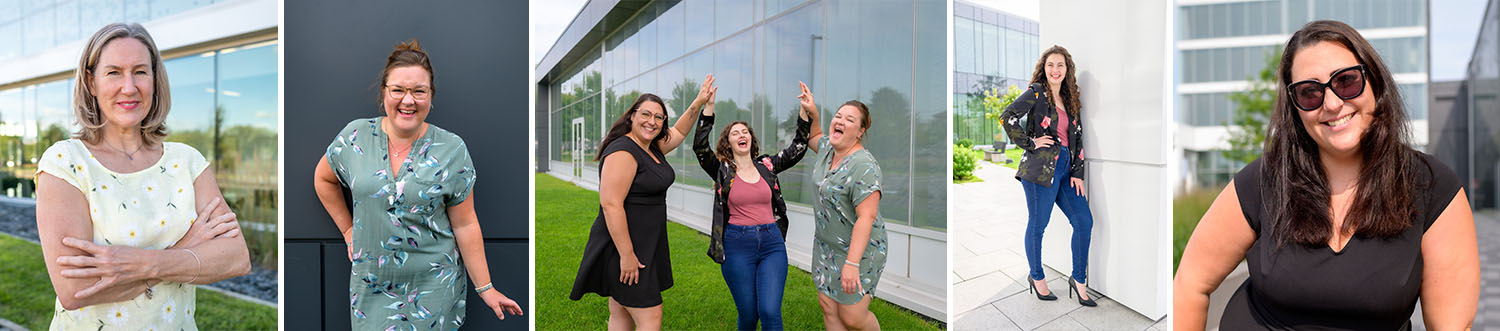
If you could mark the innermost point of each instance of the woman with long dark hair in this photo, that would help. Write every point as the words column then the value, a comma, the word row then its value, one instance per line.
column 748, row 239
column 626, row 258
column 1342, row 224
column 1046, row 123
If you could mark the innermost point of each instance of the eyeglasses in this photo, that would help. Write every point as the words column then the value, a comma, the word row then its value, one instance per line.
column 397, row 92
column 648, row 115
column 1346, row 83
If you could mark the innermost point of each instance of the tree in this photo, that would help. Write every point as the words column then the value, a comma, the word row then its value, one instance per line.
column 994, row 104
column 1247, row 132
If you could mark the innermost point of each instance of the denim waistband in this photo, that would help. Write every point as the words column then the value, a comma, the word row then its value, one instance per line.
column 767, row 226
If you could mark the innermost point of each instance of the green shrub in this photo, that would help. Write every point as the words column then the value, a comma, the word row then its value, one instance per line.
column 965, row 160
column 966, row 143
column 1187, row 210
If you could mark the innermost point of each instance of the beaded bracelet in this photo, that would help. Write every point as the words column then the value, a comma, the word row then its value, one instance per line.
column 486, row 286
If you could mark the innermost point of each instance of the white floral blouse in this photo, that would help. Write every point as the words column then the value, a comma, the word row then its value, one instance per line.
column 150, row 209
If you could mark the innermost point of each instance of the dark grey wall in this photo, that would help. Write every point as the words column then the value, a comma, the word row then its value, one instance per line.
column 334, row 51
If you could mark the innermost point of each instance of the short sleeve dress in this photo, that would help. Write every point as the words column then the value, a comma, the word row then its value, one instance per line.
column 840, row 190
column 646, row 216
column 406, row 269
column 151, row 209
column 1372, row 284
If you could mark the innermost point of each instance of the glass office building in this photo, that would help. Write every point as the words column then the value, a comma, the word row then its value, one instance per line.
column 1222, row 44
column 224, row 90
column 1467, row 138
column 890, row 54
column 991, row 50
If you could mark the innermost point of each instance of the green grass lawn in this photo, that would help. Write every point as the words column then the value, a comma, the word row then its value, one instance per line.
column 1015, row 155
column 26, row 295
column 1187, row 209
column 699, row 300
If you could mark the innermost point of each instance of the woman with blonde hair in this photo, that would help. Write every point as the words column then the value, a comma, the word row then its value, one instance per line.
column 130, row 224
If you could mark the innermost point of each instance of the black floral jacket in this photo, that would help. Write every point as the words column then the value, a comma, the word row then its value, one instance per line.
column 1032, row 115
column 768, row 165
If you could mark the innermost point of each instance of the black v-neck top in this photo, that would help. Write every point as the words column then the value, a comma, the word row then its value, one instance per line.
column 1372, row 284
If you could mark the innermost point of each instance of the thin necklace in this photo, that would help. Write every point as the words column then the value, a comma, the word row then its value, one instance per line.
column 130, row 155
column 400, row 151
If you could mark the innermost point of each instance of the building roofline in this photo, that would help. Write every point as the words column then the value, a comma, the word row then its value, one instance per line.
column 587, row 28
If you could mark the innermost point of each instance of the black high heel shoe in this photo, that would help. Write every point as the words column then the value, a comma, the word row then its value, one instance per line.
column 1039, row 296
column 1073, row 288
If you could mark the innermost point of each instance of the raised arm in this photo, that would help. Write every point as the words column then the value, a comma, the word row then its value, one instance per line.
column 677, row 133
column 1450, row 268
column 617, row 174
column 794, row 151
column 701, row 145
column 810, row 110
column 470, row 240
column 1218, row 245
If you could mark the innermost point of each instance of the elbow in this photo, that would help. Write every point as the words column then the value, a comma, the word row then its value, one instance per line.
column 241, row 266
column 69, row 302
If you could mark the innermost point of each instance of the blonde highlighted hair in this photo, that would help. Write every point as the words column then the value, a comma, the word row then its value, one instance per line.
column 86, row 107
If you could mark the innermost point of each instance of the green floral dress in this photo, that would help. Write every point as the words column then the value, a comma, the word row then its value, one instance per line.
column 839, row 191
column 406, row 270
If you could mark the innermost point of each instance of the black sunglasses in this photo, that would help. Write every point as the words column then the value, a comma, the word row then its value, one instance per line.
column 1346, row 83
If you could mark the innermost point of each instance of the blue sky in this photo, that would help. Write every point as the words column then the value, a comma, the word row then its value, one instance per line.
column 1454, row 28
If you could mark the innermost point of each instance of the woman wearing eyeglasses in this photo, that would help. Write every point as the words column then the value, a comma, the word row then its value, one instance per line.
column 414, row 239
column 1045, row 122
column 1342, row 224
column 626, row 258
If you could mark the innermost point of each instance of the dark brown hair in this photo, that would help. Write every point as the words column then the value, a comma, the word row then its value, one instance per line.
column 1069, row 88
column 864, row 116
column 407, row 54
column 725, row 153
column 622, row 125
column 1294, row 186
column 86, row 109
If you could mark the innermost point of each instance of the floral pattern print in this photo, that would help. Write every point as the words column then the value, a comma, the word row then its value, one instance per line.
column 839, row 191
column 1030, row 116
column 407, row 273
column 724, row 178
column 135, row 210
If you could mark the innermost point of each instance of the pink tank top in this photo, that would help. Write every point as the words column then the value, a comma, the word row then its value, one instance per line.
column 750, row 203
column 1062, row 126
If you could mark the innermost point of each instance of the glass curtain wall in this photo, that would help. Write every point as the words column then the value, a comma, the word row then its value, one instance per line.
column 991, row 50
column 886, row 53
column 223, row 104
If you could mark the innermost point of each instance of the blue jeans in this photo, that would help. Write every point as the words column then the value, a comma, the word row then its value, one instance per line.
column 755, row 270
column 1039, row 201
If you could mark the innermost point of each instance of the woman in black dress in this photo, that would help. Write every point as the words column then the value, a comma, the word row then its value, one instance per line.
column 626, row 258
column 1342, row 224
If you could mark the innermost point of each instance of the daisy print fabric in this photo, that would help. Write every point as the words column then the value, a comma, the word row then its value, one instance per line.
column 151, row 209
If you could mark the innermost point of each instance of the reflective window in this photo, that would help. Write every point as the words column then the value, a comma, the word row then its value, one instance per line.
column 730, row 16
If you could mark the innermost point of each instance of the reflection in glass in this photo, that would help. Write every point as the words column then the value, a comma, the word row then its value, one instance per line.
column 843, row 49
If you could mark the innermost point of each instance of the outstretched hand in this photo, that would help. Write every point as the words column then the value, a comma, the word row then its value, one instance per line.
column 809, row 107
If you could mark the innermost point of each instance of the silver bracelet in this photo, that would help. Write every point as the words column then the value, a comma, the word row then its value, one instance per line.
column 195, row 258
column 856, row 265
column 486, row 286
